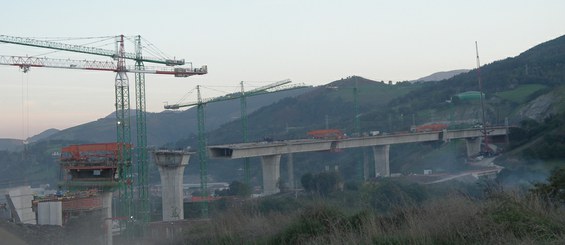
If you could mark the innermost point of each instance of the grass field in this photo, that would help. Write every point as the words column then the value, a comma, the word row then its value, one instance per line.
column 520, row 93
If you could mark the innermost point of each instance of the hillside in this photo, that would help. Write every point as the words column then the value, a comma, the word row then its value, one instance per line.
column 43, row 135
column 530, row 85
column 11, row 145
column 169, row 126
column 442, row 75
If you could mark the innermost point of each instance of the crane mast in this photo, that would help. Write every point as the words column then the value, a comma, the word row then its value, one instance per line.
column 246, row 162
column 200, row 103
column 202, row 156
column 122, row 104
column 243, row 101
column 123, row 131
column 486, row 148
column 141, row 127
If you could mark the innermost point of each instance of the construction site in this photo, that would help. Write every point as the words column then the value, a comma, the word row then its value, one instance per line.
column 104, row 186
column 104, row 192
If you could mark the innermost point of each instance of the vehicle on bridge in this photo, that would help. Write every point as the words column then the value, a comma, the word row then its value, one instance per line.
column 327, row 134
column 429, row 128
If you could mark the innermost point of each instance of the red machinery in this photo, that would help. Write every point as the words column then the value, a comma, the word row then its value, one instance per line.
column 429, row 127
column 91, row 165
column 327, row 134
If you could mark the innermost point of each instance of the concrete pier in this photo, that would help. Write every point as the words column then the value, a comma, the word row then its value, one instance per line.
column 107, row 209
column 171, row 168
column 382, row 165
column 290, row 171
column 271, row 173
column 473, row 146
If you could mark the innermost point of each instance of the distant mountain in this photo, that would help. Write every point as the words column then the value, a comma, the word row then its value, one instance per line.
column 17, row 145
column 11, row 145
column 442, row 75
column 170, row 126
column 45, row 134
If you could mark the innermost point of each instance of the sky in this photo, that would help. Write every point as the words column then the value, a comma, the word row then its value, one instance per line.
column 257, row 41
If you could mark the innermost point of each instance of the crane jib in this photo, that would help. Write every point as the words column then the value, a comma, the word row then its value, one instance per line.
column 85, row 50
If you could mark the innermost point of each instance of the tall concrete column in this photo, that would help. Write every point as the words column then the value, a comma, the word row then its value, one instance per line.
column 365, row 164
column 473, row 146
column 290, row 171
column 107, row 207
column 382, row 167
column 171, row 168
column 271, row 173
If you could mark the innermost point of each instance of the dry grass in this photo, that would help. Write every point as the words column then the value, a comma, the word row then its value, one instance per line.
column 504, row 218
column 238, row 226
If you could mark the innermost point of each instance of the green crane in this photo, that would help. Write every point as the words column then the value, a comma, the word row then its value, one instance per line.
column 243, row 101
column 200, row 117
column 122, row 103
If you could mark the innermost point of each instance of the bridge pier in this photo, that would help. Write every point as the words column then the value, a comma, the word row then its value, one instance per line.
column 382, row 167
column 473, row 146
column 171, row 166
column 271, row 173
column 290, row 170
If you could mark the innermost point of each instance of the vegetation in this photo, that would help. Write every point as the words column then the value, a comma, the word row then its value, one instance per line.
column 322, row 183
column 521, row 93
column 236, row 188
column 554, row 189
column 36, row 165
column 392, row 212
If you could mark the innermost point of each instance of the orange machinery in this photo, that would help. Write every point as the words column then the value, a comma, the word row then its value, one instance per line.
column 327, row 134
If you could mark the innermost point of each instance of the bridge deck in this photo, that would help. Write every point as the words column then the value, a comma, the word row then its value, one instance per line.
column 242, row 150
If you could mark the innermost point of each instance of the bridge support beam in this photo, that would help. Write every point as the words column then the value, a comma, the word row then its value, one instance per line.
column 271, row 173
column 473, row 146
column 382, row 167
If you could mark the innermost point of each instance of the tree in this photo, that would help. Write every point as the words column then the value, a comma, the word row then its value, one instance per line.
column 323, row 183
column 236, row 188
column 239, row 189
column 307, row 181
column 554, row 190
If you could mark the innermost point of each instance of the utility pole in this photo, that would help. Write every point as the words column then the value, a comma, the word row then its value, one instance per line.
column 357, row 128
column 246, row 165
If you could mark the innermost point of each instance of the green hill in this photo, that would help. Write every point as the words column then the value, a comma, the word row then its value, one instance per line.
column 528, row 86
column 168, row 126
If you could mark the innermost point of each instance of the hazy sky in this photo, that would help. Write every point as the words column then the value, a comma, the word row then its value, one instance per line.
column 314, row 42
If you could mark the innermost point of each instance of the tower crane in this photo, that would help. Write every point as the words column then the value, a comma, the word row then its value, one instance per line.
column 243, row 101
column 122, row 103
column 200, row 103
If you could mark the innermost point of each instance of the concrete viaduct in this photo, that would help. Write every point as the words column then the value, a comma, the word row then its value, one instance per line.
column 270, row 152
